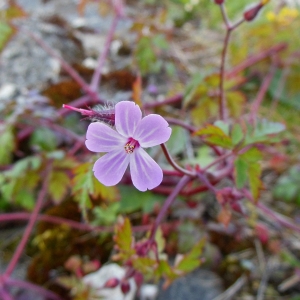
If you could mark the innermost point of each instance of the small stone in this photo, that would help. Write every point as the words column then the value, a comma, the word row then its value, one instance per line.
column 8, row 91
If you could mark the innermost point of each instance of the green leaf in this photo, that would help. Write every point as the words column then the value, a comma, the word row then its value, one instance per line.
column 241, row 172
column 160, row 240
column 237, row 134
column 247, row 168
column 85, row 185
column 236, row 102
column 123, row 239
column 147, row 266
column 7, row 142
column 43, row 139
column 191, row 260
column 6, row 32
column 262, row 130
column 133, row 200
column 215, row 136
column 106, row 215
column 59, row 183
column 177, row 142
column 223, row 126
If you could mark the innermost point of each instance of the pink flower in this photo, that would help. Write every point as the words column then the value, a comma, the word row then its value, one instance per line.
column 124, row 146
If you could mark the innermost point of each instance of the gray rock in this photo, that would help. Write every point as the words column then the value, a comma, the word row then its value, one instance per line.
column 198, row 285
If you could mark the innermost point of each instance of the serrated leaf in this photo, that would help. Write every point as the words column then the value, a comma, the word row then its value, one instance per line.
column 262, row 131
column 106, row 215
column 147, row 266
column 247, row 168
column 216, row 136
column 191, row 260
column 124, row 240
column 59, row 183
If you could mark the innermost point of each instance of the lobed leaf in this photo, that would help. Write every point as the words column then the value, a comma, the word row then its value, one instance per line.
column 191, row 260
column 123, row 239
column 215, row 135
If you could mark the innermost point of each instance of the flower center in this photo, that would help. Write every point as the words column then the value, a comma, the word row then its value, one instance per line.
column 131, row 145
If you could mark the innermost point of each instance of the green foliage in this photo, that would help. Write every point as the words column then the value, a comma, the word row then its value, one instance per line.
column 18, row 184
column 177, row 142
column 7, row 30
column 7, row 142
column 123, row 239
column 248, row 169
column 191, row 260
column 147, row 53
column 132, row 200
column 288, row 186
column 215, row 136
column 43, row 139
column 85, row 186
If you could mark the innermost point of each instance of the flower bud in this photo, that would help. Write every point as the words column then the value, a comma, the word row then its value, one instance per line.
column 99, row 113
column 125, row 287
column 219, row 2
column 112, row 283
column 251, row 13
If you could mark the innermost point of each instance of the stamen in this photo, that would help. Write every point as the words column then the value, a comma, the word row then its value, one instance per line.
column 131, row 145
column 129, row 148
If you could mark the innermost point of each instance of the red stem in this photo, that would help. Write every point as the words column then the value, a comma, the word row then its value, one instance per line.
column 58, row 220
column 27, row 285
column 174, row 164
column 28, row 230
column 171, row 100
column 181, row 184
column 261, row 93
column 67, row 67
column 255, row 59
column 101, row 60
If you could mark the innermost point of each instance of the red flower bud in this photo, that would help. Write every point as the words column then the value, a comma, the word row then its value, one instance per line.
column 251, row 13
column 219, row 2
column 112, row 283
column 125, row 287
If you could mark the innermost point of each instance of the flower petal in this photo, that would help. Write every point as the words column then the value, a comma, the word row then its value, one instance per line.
column 102, row 138
column 152, row 130
column 128, row 115
column 110, row 168
column 145, row 172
